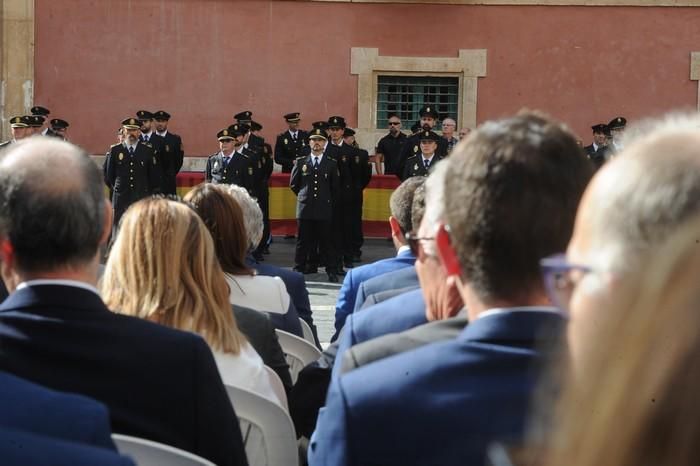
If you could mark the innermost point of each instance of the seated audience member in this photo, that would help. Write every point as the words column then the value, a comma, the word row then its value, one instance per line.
column 309, row 392
column 401, row 223
column 223, row 217
column 28, row 407
column 294, row 281
column 186, row 291
column 21, row 448
column 402, row 278
column 630, row 283
column 513, row 192
column 158, row 383
column 441, row 299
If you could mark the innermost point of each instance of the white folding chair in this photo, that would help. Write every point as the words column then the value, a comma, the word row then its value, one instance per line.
column 268, row 431
column 149, row 453
column 307, row 332
column 297, row 351
column 278, row 387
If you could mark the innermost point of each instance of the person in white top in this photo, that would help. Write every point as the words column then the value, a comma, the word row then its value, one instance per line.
column 224, row 218
column 187, row 290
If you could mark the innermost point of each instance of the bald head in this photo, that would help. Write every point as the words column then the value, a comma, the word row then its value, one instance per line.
column 52, row 204
column 640, row 197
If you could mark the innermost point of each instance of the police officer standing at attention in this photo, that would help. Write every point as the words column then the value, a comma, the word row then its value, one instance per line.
column 596, row 151
column 19, row 126
column 58, row 129
column 428, row 120
column 361, row 175
column 290, row 143
column 173, row 153
column 344, row 155
column 315, row 181
column 148, row 135
column 131, row 170
column 422, row 163
column 229, row 166
column 245, row 118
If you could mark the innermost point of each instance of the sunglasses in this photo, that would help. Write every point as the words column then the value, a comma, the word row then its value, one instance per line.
column 394, row 123
column 414, row 242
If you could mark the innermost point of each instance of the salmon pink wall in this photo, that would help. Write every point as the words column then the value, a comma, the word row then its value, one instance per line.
column 98, row 61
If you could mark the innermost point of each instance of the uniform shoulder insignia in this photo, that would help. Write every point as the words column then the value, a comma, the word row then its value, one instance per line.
column 412, row 157
column 115, row 145
column 147, row 144
column 301, row 157
column 244, row 155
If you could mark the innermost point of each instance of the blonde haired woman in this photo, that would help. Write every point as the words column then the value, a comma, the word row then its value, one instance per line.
column 631, row 398
column 163, row 268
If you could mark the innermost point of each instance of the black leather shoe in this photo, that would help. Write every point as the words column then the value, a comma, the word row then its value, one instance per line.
column 332, row 278
column 300, row 269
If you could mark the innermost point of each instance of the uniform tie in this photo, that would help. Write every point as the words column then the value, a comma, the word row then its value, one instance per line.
column 315, row 162
column 426, row 162
column 131, row 150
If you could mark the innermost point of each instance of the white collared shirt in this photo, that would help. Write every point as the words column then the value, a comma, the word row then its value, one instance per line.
column 162, row 134
column 294, row 134
column 403, row 248
column 133, row 147
column 147, row 136
column 316, row 157
column 503, row 310
column 59, row 282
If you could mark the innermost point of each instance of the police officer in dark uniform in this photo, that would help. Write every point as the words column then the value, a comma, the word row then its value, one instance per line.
column 173, row 154
column 36, row 124
column 158, row 143
column 229, row 166
column 344, row 155
column 44, row 112
column 58, row 129
column 597, row 150
column 290, row 143
column 245, row 118
column 428, row 119
column 315, row 181
column 19, row 126
column 267, row 166
column 426, row 158
column 617, row 128
column 361, row 176
column 131, row 170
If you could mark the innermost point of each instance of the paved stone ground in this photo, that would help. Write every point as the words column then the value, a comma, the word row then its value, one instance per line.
column 322, row 294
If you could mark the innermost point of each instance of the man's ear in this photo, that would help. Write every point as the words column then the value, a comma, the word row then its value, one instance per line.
column 396, row 229
column 107, row 224
column 447, row 254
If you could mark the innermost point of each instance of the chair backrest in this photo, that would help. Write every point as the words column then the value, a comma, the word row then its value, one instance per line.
column 307, row 332
column 149, row 453
column 297, row 351
column 278, row 387
column 268, row 431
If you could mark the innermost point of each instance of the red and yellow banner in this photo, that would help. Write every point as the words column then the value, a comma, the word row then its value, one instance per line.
column 375, row 210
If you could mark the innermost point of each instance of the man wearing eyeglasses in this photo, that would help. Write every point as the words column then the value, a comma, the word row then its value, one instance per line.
column 625, row 212
column 444, row 403
column 389, row 148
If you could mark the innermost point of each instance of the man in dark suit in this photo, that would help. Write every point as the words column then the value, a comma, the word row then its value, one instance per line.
column 21, row 448
column 233, row 164
column 158, row 383
column 428, row 119
column 444, row 403
column 32, row 408
column 246, row 118
column 173, row 155
column 315, row 181
column 267, row 165
column 131, row 170
column 401, row 222
column 424, row 160
column 58, row 128
column 290, row 143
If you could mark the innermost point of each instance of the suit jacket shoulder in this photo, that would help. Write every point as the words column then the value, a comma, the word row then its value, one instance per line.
column 395, row 343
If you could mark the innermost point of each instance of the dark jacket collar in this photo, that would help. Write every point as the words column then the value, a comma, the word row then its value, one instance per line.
column 51, row 297
column 521, row 327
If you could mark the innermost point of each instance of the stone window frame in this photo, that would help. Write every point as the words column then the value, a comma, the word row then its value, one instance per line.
column 367, row 65
column 695, row 72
